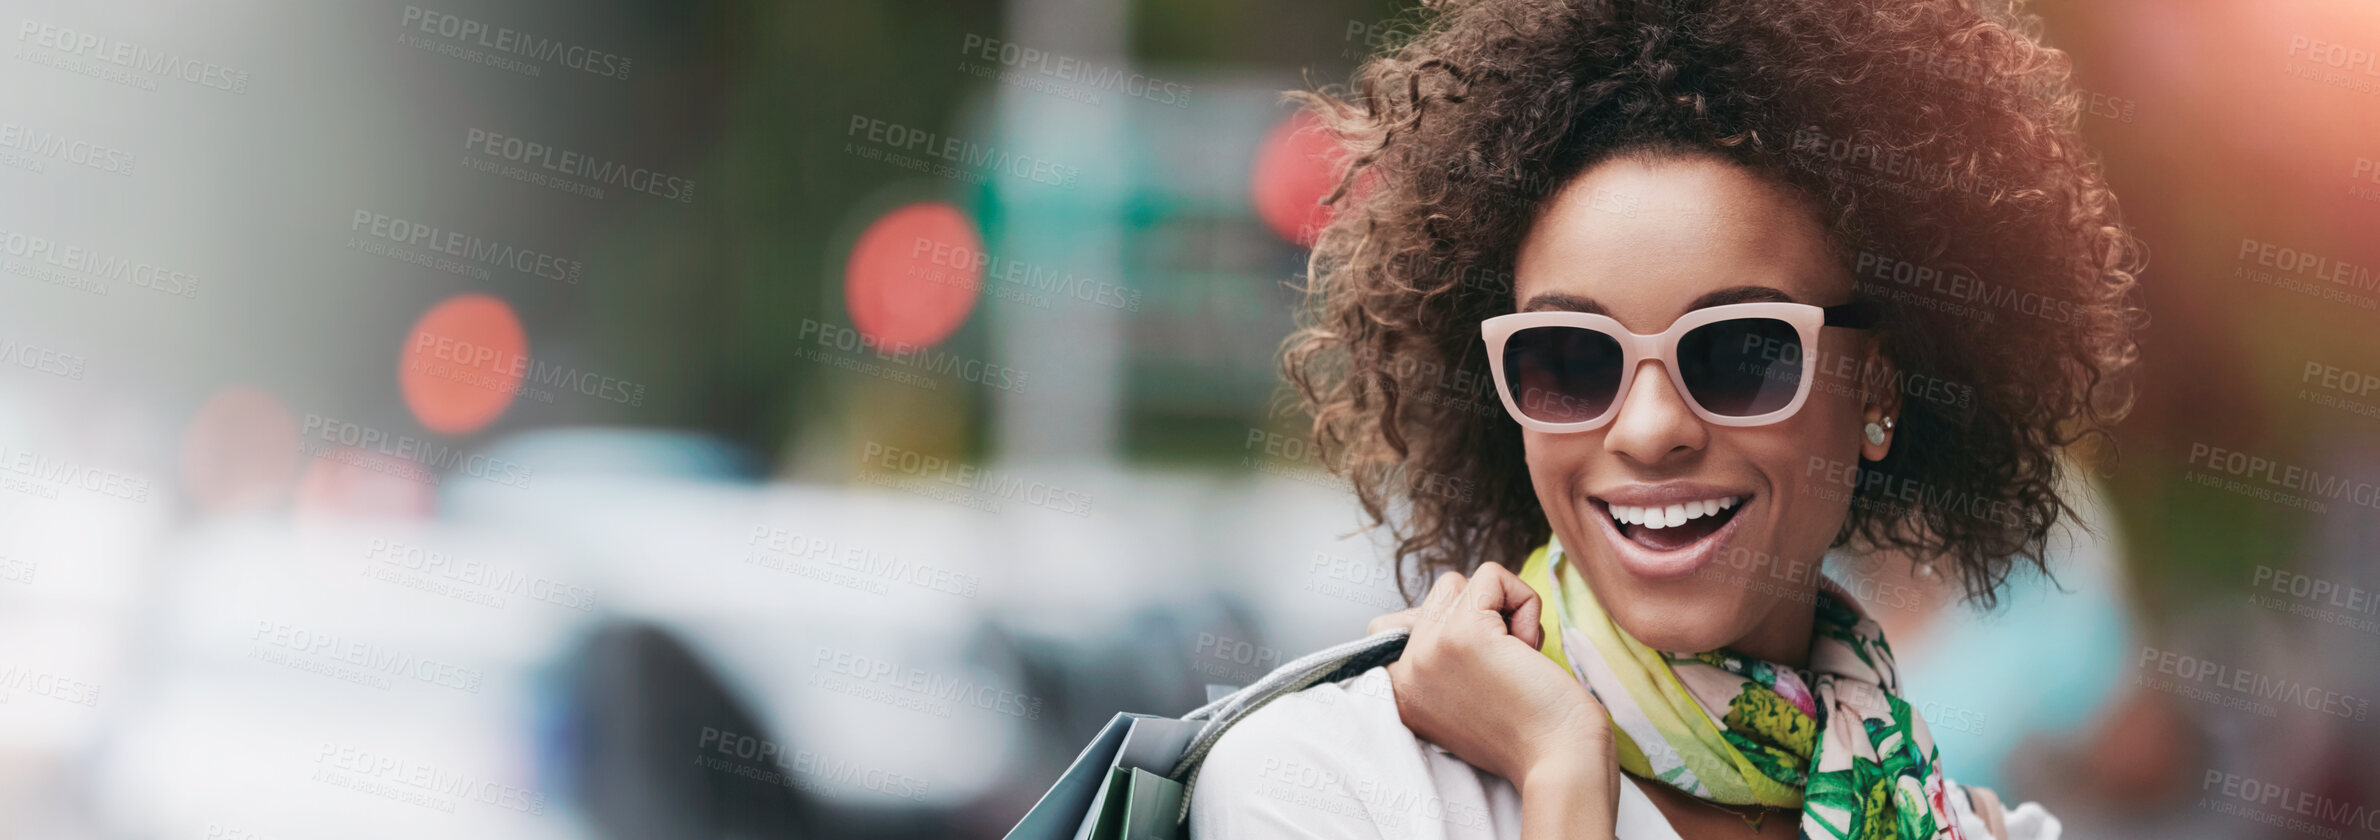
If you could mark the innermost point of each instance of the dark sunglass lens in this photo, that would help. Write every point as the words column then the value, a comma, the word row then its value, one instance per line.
column 1742, row 367
column 1562, row 374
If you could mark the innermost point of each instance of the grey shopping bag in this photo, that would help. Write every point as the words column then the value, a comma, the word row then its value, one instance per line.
column 1060, row 811
column 1138, row 805
column 1151, row 747
column 1134, row 780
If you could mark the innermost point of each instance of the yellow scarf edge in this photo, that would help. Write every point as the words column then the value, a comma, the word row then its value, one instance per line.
column 1745, row 786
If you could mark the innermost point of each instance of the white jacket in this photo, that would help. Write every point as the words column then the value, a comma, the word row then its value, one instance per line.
column 1335, row 761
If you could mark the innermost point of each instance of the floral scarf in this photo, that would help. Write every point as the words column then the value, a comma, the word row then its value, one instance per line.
column 1834, row 741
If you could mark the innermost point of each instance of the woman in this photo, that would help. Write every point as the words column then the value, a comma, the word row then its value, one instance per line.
column 1750, row 282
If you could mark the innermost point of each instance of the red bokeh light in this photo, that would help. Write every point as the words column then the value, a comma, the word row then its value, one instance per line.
column 1298, row 164
column 351, row 482
column 913, row 276
column 240, row 451
column 462, row 363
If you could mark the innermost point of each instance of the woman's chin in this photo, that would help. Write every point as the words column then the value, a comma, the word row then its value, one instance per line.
column 1668, row 622
column 1706, row 609
column 1682, row 640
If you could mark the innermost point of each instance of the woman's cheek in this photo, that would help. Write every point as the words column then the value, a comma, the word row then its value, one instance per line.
column 1558, row 473
column 1815, row 493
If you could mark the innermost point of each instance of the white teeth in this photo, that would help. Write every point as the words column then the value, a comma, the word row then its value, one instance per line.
column 1671, row 516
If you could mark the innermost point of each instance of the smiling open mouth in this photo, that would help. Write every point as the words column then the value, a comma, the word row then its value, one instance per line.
column 1672, row 527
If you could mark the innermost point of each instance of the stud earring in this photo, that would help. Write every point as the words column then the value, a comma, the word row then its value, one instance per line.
column 1875, row 431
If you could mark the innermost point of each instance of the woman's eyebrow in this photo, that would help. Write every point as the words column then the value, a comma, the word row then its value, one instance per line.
column 1741, row 294
column 1559, row 301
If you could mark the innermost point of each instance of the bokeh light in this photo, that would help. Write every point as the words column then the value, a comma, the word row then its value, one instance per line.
column 352, row 482
column 913, row 276
column 240, row 451
column 462, row 363
column 1295, row 168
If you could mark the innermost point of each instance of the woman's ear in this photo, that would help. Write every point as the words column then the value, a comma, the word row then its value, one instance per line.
column 1879, row 387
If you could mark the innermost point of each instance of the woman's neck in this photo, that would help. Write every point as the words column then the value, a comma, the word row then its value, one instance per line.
column 1695, row 819
column 1783, row 636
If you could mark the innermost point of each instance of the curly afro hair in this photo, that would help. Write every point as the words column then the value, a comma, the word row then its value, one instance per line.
column 1941, row 138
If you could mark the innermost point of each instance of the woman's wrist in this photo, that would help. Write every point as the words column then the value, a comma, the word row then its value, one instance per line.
column 1569, row 794
column 1578, row 749
column 1565, row 771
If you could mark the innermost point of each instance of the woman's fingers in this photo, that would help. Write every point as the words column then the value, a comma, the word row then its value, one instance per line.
column 1504, row 602
column 1442, row 598
column 1463, row 686
column 1404, row 618
column 1491, row 588
column 1519, row 604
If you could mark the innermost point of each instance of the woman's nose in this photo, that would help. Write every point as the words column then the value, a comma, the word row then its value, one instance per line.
column 1654, row 423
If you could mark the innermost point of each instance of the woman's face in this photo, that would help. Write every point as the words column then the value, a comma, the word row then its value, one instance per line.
column 1645, row 241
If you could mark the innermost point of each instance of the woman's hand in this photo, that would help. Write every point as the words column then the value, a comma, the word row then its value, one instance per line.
column 1472, row 681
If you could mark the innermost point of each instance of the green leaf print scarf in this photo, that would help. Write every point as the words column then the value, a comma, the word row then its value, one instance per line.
column 1834, row 741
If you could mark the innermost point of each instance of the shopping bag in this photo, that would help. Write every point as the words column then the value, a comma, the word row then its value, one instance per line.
column 1139, row 805
column 1134, row 780
column 1060, row 812
column 1151, row 747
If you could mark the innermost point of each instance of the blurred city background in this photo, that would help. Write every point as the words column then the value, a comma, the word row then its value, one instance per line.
column 728, row 419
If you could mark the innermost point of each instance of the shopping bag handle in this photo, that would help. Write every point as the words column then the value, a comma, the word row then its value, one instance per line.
column 1330, row 664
